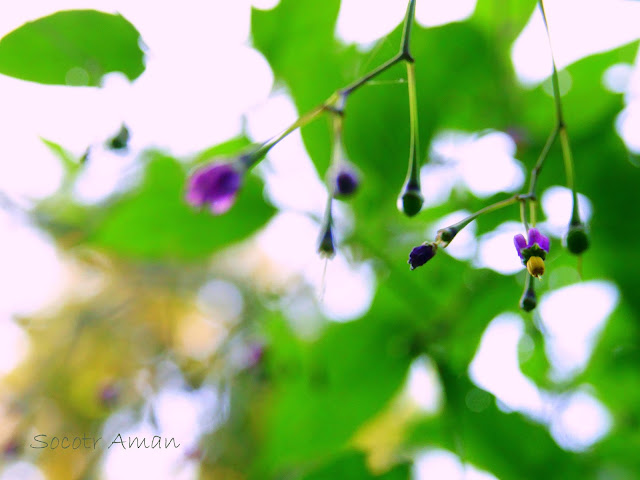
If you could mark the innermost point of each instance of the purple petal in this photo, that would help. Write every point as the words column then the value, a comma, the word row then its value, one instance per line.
column 536, row 237
column 520, row 243
column 215, row 184
column 222, row 205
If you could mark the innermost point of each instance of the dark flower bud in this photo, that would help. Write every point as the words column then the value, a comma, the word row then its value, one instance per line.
column 528, row 301
column 346, row 183
column 326, row 247
column 411, row 199
column 577, row 239
column 422, row 254
column 121, row 140
column 343, row 179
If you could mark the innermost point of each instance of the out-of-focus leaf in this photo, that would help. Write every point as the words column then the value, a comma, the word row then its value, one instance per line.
column 323, row 393
column 75, row 47
column 69, row 162
column 156, row 222
column 505, row 444
column 353, row 466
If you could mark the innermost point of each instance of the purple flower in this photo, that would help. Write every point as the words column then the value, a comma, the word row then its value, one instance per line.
column 422, row 254
column 533, row 252
column 215, row 184
column 535, row 238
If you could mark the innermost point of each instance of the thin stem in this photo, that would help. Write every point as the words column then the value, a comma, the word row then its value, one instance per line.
column 491, row 208
column 405, row 47
column 562, row 129
column 523, row 214
column 533, row 181
column 554, row 74
column 568, row 166
column 413, row 175
column 299, row 123
column 336, row 102
column 535, row 173
column 348, row 90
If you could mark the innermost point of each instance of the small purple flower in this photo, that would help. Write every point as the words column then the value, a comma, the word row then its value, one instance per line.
column 422, row 254
column 215, row 184
column 534, row 252
column 535, row 238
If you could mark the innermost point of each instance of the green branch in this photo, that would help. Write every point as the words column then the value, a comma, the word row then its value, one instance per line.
column 336, row 103
column 561, row 127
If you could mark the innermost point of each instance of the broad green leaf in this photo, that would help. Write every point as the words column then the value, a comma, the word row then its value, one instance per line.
column 353, row 466
column 74, row 47
column 156, row 222
column 323, row 393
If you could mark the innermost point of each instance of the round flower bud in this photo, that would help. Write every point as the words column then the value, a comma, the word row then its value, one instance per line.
column 528, row 301
column 326, row 247
column 345, row 180
column 411, row 201
column 577, row 239
column 121, row 140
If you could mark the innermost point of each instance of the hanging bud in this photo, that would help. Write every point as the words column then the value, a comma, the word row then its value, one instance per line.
column 422, row 254
column 528, row 301
column 326, row 247
column 216, row 185
column 411, row 199
column 577, row 239
column 344, row 180
column 121, row 140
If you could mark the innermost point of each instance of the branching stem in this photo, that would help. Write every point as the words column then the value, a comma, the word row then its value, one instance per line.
column 336, row 103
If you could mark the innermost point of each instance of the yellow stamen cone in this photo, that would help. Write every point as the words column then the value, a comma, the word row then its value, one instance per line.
column 535, row 266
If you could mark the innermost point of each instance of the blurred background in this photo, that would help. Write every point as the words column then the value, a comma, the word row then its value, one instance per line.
column 124, row 312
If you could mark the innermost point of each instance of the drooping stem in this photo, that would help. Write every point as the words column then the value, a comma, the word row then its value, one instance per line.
column 299, row 123
column 336, row 103
column 561, row 127
column 535, row 172
column 490, row 208
column 523, row 215
column 413, row 174
column 554, row 74
column 568, row 166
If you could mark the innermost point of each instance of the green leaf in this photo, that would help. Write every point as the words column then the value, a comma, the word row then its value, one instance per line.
column 68, row 160
column 352, row 465
column 75, row 47
column 156, row 222
column 325, row 390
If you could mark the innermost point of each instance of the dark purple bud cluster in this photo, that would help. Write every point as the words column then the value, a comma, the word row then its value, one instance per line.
column 422, row 254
